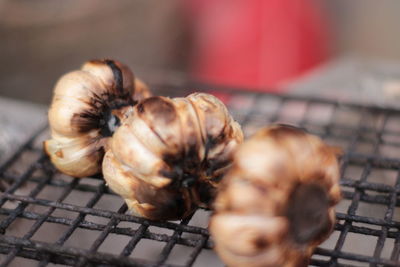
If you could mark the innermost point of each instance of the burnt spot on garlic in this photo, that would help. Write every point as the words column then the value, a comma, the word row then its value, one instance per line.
column 179, row 148
column 308, row 214
column 118, row 81
column 87, row 107
column 100, row 114
column 277, row 199
column 173, row 204
column 161, row 111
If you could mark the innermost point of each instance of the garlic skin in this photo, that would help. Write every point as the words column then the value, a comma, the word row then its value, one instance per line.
column 276, row 204
column 87, row 106
column 168, row 156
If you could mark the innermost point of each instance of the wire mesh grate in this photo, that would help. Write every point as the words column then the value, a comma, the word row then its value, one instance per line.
column 50, row 218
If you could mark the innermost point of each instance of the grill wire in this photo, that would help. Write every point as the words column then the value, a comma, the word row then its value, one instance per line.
column 367, row 232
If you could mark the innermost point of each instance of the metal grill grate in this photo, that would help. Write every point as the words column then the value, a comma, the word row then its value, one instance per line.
column 48, row 218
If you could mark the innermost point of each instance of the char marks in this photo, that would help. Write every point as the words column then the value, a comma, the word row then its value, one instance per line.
column 308, row 213
column 159, row 108
column 86, row 121
column 167, row 202
column 118, row 78
column 100, row 113
column 283, row 131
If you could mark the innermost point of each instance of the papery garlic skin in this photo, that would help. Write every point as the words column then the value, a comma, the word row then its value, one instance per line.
column 169, row 155
column 86, row 108
column 276, row 204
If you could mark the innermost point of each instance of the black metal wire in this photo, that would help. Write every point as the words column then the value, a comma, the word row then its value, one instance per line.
column 370, row 129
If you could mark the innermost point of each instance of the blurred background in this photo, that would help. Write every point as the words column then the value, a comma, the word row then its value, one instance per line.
column 257, row 44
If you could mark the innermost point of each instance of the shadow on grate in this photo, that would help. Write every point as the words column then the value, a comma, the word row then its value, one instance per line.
column 48, row 218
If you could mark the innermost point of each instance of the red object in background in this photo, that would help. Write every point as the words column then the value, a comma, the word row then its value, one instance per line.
column 255, row 43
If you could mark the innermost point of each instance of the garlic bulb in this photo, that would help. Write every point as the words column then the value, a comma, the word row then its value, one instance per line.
column 87, row 106
column 276, row 204
column 169, row 155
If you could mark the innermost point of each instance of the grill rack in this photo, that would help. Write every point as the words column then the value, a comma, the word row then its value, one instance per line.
column 367, row 232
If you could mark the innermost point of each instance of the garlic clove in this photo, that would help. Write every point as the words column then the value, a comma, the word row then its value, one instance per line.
column 77, row 157
column 214, row 119
column 211, row 113
column 79, row 85
column 122, row 183
column 251, row 193
column 191, row 131
column 143, row 132
column 268, row 168
column 143, row 199
column 142, row 162
column 161, row 116
column 253, row 234
column 106, row 75
column 105, row 71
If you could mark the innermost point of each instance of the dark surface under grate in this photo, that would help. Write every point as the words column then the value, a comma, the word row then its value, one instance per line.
column 41, row 210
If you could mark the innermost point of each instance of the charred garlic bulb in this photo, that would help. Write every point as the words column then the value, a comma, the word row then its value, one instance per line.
column 86, row 108
column 276, row 204
column 169, row 155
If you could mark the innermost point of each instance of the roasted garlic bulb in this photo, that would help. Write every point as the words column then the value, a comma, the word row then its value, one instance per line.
column 276, row 204
column 169, row 155
column 87, row 106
